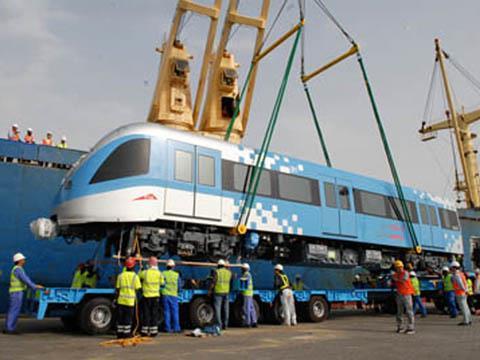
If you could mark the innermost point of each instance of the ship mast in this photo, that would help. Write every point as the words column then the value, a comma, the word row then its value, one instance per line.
column 460, row 123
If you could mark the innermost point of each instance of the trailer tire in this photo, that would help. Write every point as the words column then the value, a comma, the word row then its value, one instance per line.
column 317, row 309
column 237, row 311
column 96, row 316
column 201, row 312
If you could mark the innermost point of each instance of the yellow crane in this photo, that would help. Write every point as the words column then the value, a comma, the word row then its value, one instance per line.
column 460, row 123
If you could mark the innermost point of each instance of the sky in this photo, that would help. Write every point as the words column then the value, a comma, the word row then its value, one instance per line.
column 84, row 68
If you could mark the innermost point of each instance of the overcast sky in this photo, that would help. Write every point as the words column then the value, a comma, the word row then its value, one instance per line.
column 83, row 68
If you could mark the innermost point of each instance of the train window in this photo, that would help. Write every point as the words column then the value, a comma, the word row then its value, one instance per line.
column 344, row 197
column 370, row 203
column 131, row 158
column 297, row 188
column 330, row 195
column 448, row 219
column 183, row 166
column 453, row 220
column 424, row 214
column 396, row 211
column 206, row 170
column 235, row 179
column 433, row 216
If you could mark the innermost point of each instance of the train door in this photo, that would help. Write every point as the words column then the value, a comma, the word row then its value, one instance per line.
column 180, row 191
column 425, row 227
column 208, row 190
column 348, row 221
column 330, row 214
column 437, row 233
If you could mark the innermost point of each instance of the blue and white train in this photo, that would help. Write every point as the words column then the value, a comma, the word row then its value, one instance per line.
column 182, row 195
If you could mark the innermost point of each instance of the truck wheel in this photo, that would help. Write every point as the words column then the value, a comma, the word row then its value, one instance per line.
column 201, row 312
column 317, row 309
column 96, row 316
column 236, row 311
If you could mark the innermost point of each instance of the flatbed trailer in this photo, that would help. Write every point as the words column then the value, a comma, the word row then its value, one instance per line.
column 92, row 310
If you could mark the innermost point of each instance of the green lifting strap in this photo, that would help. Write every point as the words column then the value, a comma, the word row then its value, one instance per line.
column 391, row 163
column 254, row 180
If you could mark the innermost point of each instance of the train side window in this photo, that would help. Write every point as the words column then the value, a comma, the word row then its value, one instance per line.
column 235, row 178
column 424, row 214
column 396, row 211
column 206, row 170
column 344, row 198
column 453, row 220
column 330, row 196
column 370, row 203
column 297, row 188
column 433, row 216
column 183, row 166
column 132, row 158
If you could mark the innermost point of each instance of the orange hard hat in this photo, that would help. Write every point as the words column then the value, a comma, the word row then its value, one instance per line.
column 130, row 262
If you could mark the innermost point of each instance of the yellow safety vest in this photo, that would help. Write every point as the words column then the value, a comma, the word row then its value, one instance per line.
column 416, row 286
column 285, row 282
column 90, row 281
column 249, row 290
column 447, row 283
column 77, row 281
column 222, row 286
column 171, row 283
column 16, row 284
column 298, row 285
column 469, row 287
column 62, row 146
column 151, row 279
column 127, row 284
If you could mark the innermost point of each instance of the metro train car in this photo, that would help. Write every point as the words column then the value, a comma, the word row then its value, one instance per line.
column 181, row 194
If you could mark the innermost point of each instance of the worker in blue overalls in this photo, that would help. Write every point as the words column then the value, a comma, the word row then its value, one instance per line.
column 19, row 281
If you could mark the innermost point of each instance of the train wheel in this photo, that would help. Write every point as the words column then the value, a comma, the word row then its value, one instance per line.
column 317, row 309
column 96, row 316
column 201, row 312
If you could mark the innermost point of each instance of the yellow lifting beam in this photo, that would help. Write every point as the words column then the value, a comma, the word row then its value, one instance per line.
column 352, row 51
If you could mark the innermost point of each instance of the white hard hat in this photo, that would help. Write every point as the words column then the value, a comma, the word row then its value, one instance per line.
column 49, row 132
column 221, row 262
column 455, row 264
column 477, row 271
column 413, row 273
column 15, row 126
column 279, row 267
column 170, row 262
column 445, row 268
column 64, row 138
column 246, row 266
column 30, row 129
column 18, row 257
column 357, row 277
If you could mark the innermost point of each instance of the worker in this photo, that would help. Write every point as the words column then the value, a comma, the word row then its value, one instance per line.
column 78, row 276
column 63, row 143
column 404, row 294
column 19, row 281
column 448, row 292
column 417, row 298
column 170, row 291
column 152, row 279
column 127, row 285
column 460, row 286
column 470, row 293
column 222, row 278
column 28, row 139
column 298, row 285
column 90, row 275
column 476, row 283
column 48, row 139
column 248, row 310
column 282, row 284
column 14, row 133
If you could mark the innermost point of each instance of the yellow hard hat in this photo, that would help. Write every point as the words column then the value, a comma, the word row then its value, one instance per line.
column 398, row 263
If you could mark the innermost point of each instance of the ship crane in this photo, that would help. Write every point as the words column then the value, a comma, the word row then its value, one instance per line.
column 460, row 122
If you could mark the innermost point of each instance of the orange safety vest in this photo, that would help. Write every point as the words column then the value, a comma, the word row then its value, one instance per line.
column 47, row 141
column 14, row 137
column 456, row 285
column 29, row 139
column 404, row 286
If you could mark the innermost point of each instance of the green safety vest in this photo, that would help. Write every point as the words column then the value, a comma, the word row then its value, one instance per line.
column 222, row 286
column 151, row 279
column 298, row 285
column 416, row 285
column 171, row 283
column 248, row 278
column 16, row 284
column 77, row 281
column 285, row 282
column 447, row 283
column 89, row 281
column 127, row 284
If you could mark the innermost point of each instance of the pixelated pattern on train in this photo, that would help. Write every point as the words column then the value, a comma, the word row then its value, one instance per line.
column 270, row 214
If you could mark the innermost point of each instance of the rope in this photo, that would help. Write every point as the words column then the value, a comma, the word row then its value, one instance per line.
column 332, row 18
column 431, row 94
column 275, row 20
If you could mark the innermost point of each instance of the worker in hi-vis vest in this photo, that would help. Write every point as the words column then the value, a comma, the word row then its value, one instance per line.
column 19, row 281
column 152, row 280
column 127, row 285
column 417, row 295
column 460, row 287
column 173, row 285
column 90, row 275
column 77, row 281
column 448, row 293
column 282, row 284
column 220, row 287
column 405, row 291
column 249, row 314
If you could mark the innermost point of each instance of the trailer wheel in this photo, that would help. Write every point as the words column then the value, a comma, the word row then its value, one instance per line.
column 317, row 309
column 201, row 312
column 96, row 316
column 237, row 311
